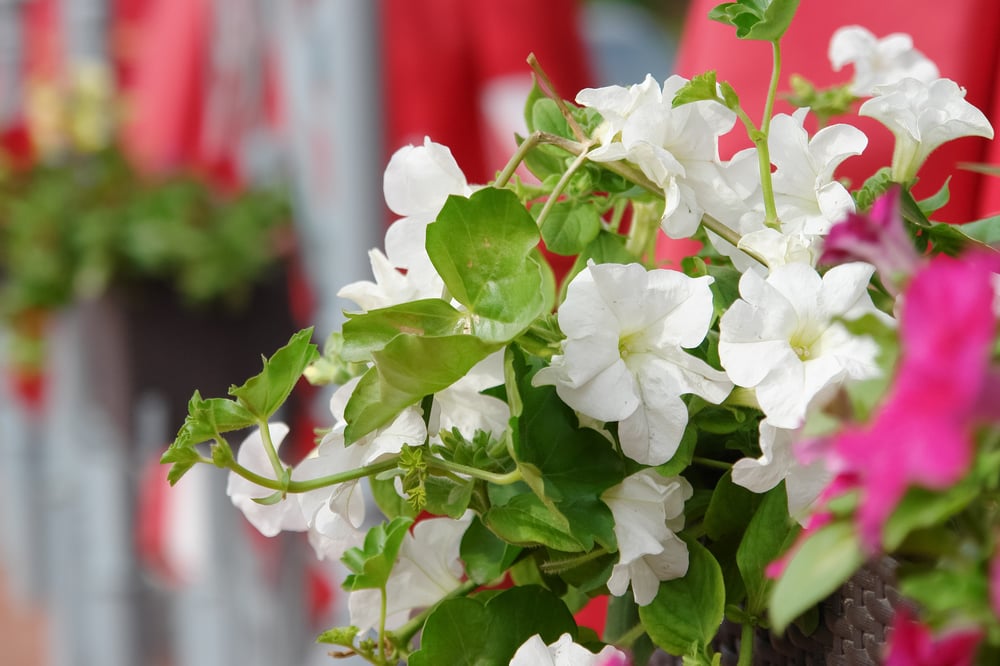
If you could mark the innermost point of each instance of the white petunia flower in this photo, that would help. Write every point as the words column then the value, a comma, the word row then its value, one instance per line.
column 564, row 652
column 648, row 509
column 877, row 61
column 417, row 182
column 783, row 339
column 808, row 199
column 623, row 359
column 923, row 116
column 676, row 148
column 335, row 514
column 428, row 569
column 777, row 463
column 616, row 104
column 647, row 572
column 269, row 519
column 463, row 406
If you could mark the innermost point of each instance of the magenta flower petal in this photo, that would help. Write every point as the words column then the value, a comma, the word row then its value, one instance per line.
column 878, row 238
column 922, row 433
column 912, row 644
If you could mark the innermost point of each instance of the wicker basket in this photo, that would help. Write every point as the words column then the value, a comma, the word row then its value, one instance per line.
column 855, row 624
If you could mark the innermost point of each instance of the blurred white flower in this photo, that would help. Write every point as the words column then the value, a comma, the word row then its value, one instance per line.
column 923, row 116
column 623, row 358
column 877, row 61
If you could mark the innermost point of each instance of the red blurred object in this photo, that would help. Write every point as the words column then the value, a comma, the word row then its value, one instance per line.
column 441, row 55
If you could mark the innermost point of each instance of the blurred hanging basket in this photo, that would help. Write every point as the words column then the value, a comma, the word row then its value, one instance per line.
column 852, row 627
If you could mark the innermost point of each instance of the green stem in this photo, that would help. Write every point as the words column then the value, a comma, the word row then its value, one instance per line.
column 381, row 625
column 561, row 185
column 746, row 645
column 550, row 91
column 556, row 566
column 515, row 160
column 634, row 175
column 708, row 462
column 314, row 484
column 272, row 452
column 760, row 140
column 617, row 213
column 490, row 477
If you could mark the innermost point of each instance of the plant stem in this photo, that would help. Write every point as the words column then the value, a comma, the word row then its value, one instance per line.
column 515, row 160
column 555, row 566
column 490, row 477
column 314, row 484
column 746, row 645
column 381, row 625
column 708, row 462
column 272, row 453
column 550, row 90
column 561, row 185
column 634, row 175
column 760, row 140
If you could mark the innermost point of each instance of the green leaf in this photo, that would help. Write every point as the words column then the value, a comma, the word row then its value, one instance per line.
column 767, row 536
column 406, row 370
column 682, row 458
column 920, row 509
column 936, row 201
column 339, row 636
column 686, row 613
column 482, row 247
column 569, row 227
column 950, row 595
column 486, row 556
column 263, row 394
column 818, row 566
column 765, row 20
column 447, row 497
column 208, row 419
column 465, row 631
column 701, row 87
column 546, row 117
column 731, row 508
column 523, row 520
column 875, row 186
column 389, row 501
column 567, row 467
column 367, row 333
column 183, row 459
column 372, row 564
column 985, row 231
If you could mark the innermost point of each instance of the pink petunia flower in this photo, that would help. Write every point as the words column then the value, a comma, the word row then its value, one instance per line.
column 922, row 433
column 878, row 238
column 912, row 644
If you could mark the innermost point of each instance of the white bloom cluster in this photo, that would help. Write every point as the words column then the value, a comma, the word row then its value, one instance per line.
column 629, row 332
